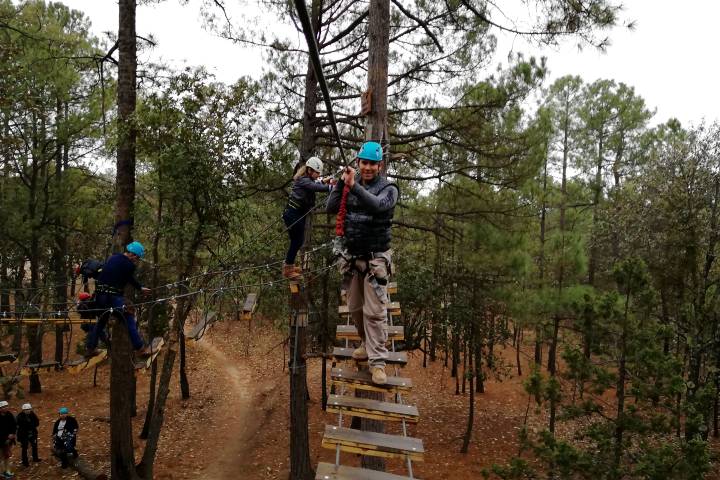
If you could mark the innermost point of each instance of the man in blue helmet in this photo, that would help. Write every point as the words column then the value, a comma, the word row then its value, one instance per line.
column 118, row 271
column 370, row 206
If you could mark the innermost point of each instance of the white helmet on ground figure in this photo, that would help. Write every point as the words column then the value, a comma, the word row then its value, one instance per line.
column 315, row 163
column 26, row 406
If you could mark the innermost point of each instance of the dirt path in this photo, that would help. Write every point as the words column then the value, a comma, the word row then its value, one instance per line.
column 240, row 416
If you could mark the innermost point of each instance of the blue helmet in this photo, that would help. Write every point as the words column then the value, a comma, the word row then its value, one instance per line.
column 64, row 411
column 136, row 248
column 371, row 151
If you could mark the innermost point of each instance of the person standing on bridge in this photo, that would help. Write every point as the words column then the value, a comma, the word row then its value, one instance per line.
column 118, row 271
column 306, row 183
column 370, row 206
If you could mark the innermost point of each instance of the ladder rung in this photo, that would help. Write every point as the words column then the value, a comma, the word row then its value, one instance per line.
column 349, row 332
column 363, row 380
column 328, row 471
column 371, row 443
column 393, row 308
column 375, row 409
column 394, row 358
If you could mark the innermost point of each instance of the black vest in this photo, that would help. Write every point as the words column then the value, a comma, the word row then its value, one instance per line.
column 365, row 231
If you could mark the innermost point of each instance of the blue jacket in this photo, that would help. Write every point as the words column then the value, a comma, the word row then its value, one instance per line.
column 118, row 271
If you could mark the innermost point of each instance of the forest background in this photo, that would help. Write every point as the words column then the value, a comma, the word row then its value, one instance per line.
column 580, row 225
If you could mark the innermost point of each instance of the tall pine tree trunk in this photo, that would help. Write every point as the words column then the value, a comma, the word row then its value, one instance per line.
column 122, row 372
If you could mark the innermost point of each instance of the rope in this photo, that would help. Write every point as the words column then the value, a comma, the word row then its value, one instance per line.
column 314, row 52
column 342, row 212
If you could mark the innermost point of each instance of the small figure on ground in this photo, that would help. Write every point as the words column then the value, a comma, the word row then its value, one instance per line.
column 27, row 433
column 118, row 271
column 370, row 206
column 306, row 183
column 64, row 436
column 8, row 427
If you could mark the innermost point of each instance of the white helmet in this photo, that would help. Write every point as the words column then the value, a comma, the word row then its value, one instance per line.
column 315, row 163
column 26, row 406
column 3, row 403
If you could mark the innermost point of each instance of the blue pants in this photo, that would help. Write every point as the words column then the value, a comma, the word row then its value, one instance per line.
column 295, row 221
column 106, row 301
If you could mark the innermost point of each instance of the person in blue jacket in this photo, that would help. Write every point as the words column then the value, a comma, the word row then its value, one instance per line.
column 306, row 183
column 118, row 271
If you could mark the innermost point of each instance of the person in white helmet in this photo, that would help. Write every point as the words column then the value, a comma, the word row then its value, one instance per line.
column 7, row 436
column 27, row 433
column 307, row 182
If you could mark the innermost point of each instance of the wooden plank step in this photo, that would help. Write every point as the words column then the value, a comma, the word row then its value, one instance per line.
column 155, row 346
column 374, row 444
column 375, row 409
column 249, row 306
column 28, row 368
column 201, row 326
column 8, row 358
column 80, row 364
column 394, row 358
column 349, row 332
column 47, row 317
column 393, row 308
column 362, row 380
column 328, row 471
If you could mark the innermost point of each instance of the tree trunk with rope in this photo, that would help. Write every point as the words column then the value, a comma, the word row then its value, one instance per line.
column 122, row 369
column 300, row 462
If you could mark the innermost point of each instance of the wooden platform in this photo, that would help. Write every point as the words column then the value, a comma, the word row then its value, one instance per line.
column 295, row 285
column 249, row 306
column 156, row 346
column 328, row 471
column 393, row 308
column 29, row 368
column 362, row 380
column 33, row 319
column 80, row 364
column 202, row 326
column 375, row 409
column 374, row 444
column 349, row 332
column 394, row 358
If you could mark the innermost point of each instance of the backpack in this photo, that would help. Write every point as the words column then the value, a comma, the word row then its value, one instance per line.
column 90, row 269
column 86, row 306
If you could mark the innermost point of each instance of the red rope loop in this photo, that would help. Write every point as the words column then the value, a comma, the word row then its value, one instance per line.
column 342, row 211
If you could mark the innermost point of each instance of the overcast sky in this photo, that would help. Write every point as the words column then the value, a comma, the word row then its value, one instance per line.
column 669, row 58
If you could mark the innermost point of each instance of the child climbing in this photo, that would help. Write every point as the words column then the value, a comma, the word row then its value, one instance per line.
column 306, row 183
column 118, row 271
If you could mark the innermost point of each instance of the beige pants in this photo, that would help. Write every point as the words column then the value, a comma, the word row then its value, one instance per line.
column 367, row 302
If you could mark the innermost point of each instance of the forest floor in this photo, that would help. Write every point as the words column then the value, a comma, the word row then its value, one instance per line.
column 236, row 425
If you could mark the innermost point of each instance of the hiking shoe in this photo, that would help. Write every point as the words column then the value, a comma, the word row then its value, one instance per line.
column 378, row 375
column 360, row 353
column 291, row 271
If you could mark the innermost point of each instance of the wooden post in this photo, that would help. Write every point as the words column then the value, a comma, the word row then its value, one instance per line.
column 300, row 464
column 82, row 467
